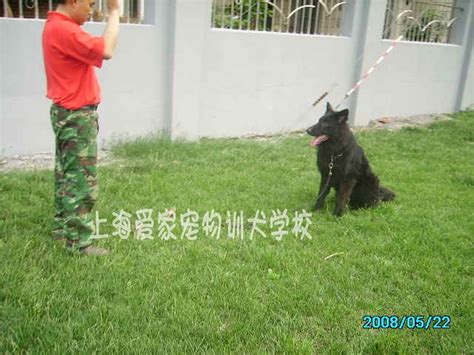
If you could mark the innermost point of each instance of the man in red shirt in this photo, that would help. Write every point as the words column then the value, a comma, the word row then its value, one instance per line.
column 70, row 54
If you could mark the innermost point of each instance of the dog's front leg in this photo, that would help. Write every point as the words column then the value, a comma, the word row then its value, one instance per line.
column 342, row 196
column 323, row 192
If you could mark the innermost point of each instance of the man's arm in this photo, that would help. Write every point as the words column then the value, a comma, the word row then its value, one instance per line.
column 111, row 30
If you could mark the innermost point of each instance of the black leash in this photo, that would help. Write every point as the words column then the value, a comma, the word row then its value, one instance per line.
column 331, row 165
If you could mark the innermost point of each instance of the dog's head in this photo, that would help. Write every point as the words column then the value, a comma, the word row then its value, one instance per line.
column 329, row 126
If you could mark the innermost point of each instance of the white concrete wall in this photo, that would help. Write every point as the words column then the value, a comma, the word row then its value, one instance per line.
column 468, row 94
column 134, row 93
column 232, row 83
column 415, row 78
column 467, row 75
column 265, row 83
column 181, row 77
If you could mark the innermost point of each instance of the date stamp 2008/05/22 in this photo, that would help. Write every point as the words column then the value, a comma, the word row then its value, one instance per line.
column 406, row 322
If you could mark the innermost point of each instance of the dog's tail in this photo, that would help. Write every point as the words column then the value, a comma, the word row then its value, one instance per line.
column 386, row 194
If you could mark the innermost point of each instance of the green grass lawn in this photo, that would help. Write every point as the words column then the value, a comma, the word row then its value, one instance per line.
column 412, row 256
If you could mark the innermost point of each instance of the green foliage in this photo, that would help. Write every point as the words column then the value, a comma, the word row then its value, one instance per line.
column 431, row 34
column 228, row 16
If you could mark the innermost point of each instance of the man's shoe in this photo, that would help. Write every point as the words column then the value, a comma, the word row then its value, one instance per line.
column 93, row 250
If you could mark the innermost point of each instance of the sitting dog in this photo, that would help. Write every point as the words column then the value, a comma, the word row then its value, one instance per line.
column 343, row 165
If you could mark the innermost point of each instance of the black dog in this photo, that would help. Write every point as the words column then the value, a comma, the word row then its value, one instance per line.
column 343, row 165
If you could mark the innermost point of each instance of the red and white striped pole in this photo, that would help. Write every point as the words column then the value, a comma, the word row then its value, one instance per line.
column 380, row 60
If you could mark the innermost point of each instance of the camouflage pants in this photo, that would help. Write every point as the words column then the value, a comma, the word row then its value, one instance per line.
column 76, row 183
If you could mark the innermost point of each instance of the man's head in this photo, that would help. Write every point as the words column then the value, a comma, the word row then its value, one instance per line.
column 78, row 10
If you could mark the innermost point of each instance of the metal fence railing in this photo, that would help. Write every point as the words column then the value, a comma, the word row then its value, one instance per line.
column 421, row 21
column 284, row 16
column 132, row 11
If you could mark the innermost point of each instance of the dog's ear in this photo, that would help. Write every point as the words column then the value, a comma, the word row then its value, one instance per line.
column 329, row 108
column 343, row 116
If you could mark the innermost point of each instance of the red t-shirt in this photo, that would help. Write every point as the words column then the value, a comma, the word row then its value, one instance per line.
column 69, row 56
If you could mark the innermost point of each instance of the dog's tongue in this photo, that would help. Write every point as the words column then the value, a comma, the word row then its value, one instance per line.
column 318, row 140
